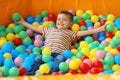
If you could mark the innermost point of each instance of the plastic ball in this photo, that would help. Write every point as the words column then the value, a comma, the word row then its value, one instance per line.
column 46, row 57
column 89, row 39
column 67, row 54
column 9, row 30
column 72, row 71
column 18, row 41
column 82, row 28
column 109, row 60
column 109, row 35
column 100, row 54
column 115, row 67
column 46, row 50
column 110, row 27
column 39, row 37
column 7, row 47
column 2, row 34
column 44, row 13
column 27, row 41
column 7, row 55
column 52, row 25
column 117, row 58
column 29, row 32
column 5, row 71
column 23, row 34
column 14, row 71
column 117, row 33
column 2, row 42
column 79, row 12
column 36, row 24
column 94, row 18
column 94, row 70
column 111, row 17
column 22, row 71
column 8, row 62
column 116, row 39
column 84, row 68
column 16, row 17
column 52, row 17
column 75, row 27
column 44, row 69
column 2, row 28
column 98, row 64
column 30, row 19
column 63, row 66
column 73, row 65
column 76, row 19
column 10, row 36
column 82, row 22
column 88, row 62
column 86, row 16
column 38, row 42
column 18, row 61
column 26, row 65
column 83, row 44
column 1, row 58
column 90, row 12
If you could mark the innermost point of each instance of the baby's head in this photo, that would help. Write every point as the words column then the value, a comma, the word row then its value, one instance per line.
column 64, row 20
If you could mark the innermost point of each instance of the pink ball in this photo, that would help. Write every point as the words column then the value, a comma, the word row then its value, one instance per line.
column 109, row 54
column 29, row 32
column 45, row 19
column 38, row 42
column 100, row 54
column 18, row 61
column 67, row 61
column 89, row 62
column 72, row 11
column 39, row 37
column 89, row 28
column 105, row 42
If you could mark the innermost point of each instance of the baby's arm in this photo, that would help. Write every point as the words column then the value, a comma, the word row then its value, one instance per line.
column 36, row 29
column 92, row 31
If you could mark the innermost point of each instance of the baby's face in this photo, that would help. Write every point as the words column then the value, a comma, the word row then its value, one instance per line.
column 63, row 22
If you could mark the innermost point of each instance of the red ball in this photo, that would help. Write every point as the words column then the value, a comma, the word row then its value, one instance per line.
column 94, row 70
column 18, row 41
column 118, row 48
column 101, row 69
column 52, row 17
column 98, row 64
column 72, row 47
column 22, row 71
column 72, row 71
column 84, row 57
column 84, row 68
column 55, row 73
column 109, row 35
column 82, row 22
column 102, row 22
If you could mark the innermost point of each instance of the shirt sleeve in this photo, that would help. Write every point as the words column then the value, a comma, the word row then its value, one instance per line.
column 73, row 35
column 45, row 31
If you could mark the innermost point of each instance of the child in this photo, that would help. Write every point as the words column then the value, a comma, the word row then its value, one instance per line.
column 60, row 38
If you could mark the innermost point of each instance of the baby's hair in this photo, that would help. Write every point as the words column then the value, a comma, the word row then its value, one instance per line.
column 68, row 14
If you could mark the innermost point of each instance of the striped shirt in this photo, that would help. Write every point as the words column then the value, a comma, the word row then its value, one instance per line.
column 58, row 40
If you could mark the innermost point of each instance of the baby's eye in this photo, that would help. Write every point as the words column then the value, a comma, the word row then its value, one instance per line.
column 58, row 19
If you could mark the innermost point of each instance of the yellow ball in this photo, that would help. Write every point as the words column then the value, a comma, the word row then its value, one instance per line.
column 7, row 55
column 93, row 59
column 117, row 33
column 68, row 74
column 79, row 12
column 92, row 53
column 75, row 51
column 117, row 72
column 114, row 51
column 115, row 67
column 115, row 30
column 109, row 22
column 2, row 42
column 90, row 12
column 97, row 24
column 41, row 26
column 111, row 17
column 85, row 51
column 17, row 36
column 75, row 27
column 10, row 36
column 11, row 25
column 94, row 18
column 44, row 69
column 108, row 40
column 78, row 60
column 74, row 65
column 36, row 24
column 83, row 44
column 46, row 51
column 107, row 48
column 100, row 16
column 46, row 23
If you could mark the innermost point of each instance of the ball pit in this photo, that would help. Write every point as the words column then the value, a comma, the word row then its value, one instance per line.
column 95, row 54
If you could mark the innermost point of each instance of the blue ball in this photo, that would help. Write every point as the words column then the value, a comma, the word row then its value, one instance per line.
column 31, row 46
column 117, row 21
column 23, row 55
column 32, row 56
column 118, row 26
column 67, row 54
column 38, row 20
column 9, row 63
column 7, row 47
column 101, row 33
column 27, row 66
column 29, row 60
column 30, row 19
column 1, row 58
column 101, row 38
column 89, row 24
column 14, row 54
column 117, row 59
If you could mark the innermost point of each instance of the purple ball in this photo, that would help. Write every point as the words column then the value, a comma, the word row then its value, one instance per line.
column 29, row 32
column 45, row 19
column 39, row 37
column 18, row 61
column 38, row 42
column 100, row 54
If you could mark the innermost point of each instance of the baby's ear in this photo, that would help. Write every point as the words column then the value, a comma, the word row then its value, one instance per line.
column 71, row 23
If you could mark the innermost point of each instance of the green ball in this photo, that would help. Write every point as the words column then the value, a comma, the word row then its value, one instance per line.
column 16, row 17
column 96, row 43
column 23, row 34
column 46, row 57
column 76, row 19
column 112, row 45
column 76, row 45
column 9, row 30
column 36, row 53
column 110, row 27
column 91, row 46
column 19, row 49
column 27, row 41
column 89, row 39
column 36, row 49
column 63, row 66
column 44, row 13
column 2, row 34
column 82, row 28
column 17, row 29
column 109, row 60
column 52, row 25
column 39, row 16
column 5, row 70
column 102, row 46
column 85, row 16
column 2, row 28
column 79, row 55
column 107, row 67
column 116, row 39
column 13, row 71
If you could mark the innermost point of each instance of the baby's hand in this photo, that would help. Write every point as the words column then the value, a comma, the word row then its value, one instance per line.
column 21, row 20
column 103, row 27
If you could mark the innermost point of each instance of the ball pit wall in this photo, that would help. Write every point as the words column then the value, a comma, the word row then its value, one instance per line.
column 34, row 7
